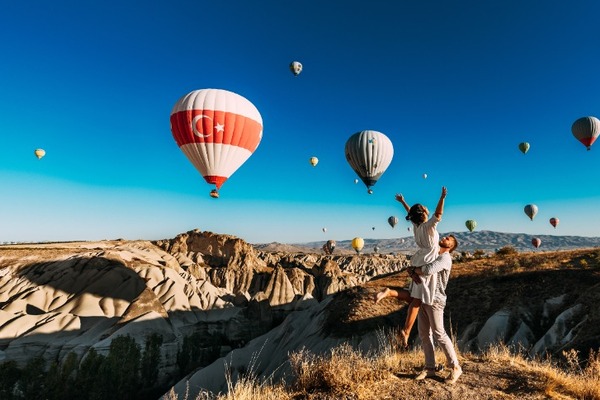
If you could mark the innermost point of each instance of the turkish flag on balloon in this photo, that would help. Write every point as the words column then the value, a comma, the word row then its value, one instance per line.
column 217, row 130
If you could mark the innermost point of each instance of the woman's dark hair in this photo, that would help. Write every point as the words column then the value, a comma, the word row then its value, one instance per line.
column 417, row 214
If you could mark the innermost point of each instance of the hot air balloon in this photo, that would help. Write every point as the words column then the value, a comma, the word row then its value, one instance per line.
column 369, row 153
column 355, row 181
column 357, row 244
column 393, row 220
column 424, row 176
column 524, row 147
column 586, row 130
column 554, row 221
column 329, row 246
column 296, row 67
column 376, row 249
column 217, row 130
column 324, row 230
column 536, row 242
column 373, row 228
column 39, row 153
column 531, row 210
column 471, row 224
column 313, row 161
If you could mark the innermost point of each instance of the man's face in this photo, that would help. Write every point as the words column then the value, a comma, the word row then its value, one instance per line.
column 447, row 242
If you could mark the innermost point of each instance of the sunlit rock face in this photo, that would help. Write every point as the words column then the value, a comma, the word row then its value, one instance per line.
column 61, row 298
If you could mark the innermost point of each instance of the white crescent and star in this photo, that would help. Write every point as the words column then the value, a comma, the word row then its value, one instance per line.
column 218, row 127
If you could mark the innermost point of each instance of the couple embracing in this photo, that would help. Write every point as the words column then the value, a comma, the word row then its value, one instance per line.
column 429, row 271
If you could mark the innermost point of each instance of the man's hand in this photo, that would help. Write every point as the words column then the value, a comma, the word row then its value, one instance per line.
column 414, row 276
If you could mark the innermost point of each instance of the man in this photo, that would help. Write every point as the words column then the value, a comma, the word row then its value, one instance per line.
column 431, row 316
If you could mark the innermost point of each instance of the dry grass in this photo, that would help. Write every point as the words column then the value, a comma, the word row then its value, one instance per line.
column 347, row 374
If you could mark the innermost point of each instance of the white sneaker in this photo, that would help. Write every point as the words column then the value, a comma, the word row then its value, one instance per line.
column 454, row 374
column 426, row 373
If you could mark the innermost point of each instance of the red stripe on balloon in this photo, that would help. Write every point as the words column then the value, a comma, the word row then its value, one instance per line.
column 215, row 180
column 587, row 141
column 209, row 126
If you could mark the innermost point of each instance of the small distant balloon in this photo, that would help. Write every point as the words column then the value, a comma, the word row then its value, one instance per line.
column 313, row 161
column 296, row 67
column 424, row 176
column 471, row 224
column 357, row 244
column 393, row 220
column 376, row 249
column 355, row 181
column 39, row 153
column 536, row 242
column 531, row 210
column 586, row 130
column 554, row 221
column 373, row 228
column 524, row 147
column 324, row 230
column 329, row 246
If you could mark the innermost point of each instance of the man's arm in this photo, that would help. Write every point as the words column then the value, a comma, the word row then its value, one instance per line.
column 434, row 267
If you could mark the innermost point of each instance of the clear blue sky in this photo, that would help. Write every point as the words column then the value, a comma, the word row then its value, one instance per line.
column 456, row 86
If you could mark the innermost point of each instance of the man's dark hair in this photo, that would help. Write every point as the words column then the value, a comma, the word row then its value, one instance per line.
column 455, row 243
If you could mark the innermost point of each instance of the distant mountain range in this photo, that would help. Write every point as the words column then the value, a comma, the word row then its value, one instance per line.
column 487, row 241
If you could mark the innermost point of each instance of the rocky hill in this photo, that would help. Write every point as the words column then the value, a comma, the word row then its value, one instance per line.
column 222, row 302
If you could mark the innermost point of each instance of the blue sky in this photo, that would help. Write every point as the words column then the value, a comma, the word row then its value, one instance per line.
column 455, row 86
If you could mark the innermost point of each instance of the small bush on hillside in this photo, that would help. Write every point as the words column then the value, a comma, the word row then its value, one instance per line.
column 506, row 251
column 478, row 254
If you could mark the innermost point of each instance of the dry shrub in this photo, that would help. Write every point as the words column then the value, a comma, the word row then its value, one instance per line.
column 507, row 250
column 345, row 373
column 572, row 380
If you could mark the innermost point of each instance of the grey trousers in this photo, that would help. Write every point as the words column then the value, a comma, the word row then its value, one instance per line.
column 431, row 326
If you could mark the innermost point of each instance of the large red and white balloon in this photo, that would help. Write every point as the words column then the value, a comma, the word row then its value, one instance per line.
column 217, row 130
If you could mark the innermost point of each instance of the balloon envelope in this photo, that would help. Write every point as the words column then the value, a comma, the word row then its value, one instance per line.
column 217, row 130
column 313, row 161
column 424, row 176
column 329, row 246
column 471, row 225
column 39, row 153
column 357, row 244
column 536, row 242
column 369, row 153
column 586, row 130
column 393, row 220
column 531, row 210
column 524, row 147
column 296, row 68
column 554, row 221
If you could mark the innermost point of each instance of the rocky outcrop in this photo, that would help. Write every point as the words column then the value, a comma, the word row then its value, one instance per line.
column 230, row 263
column 58, row 299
